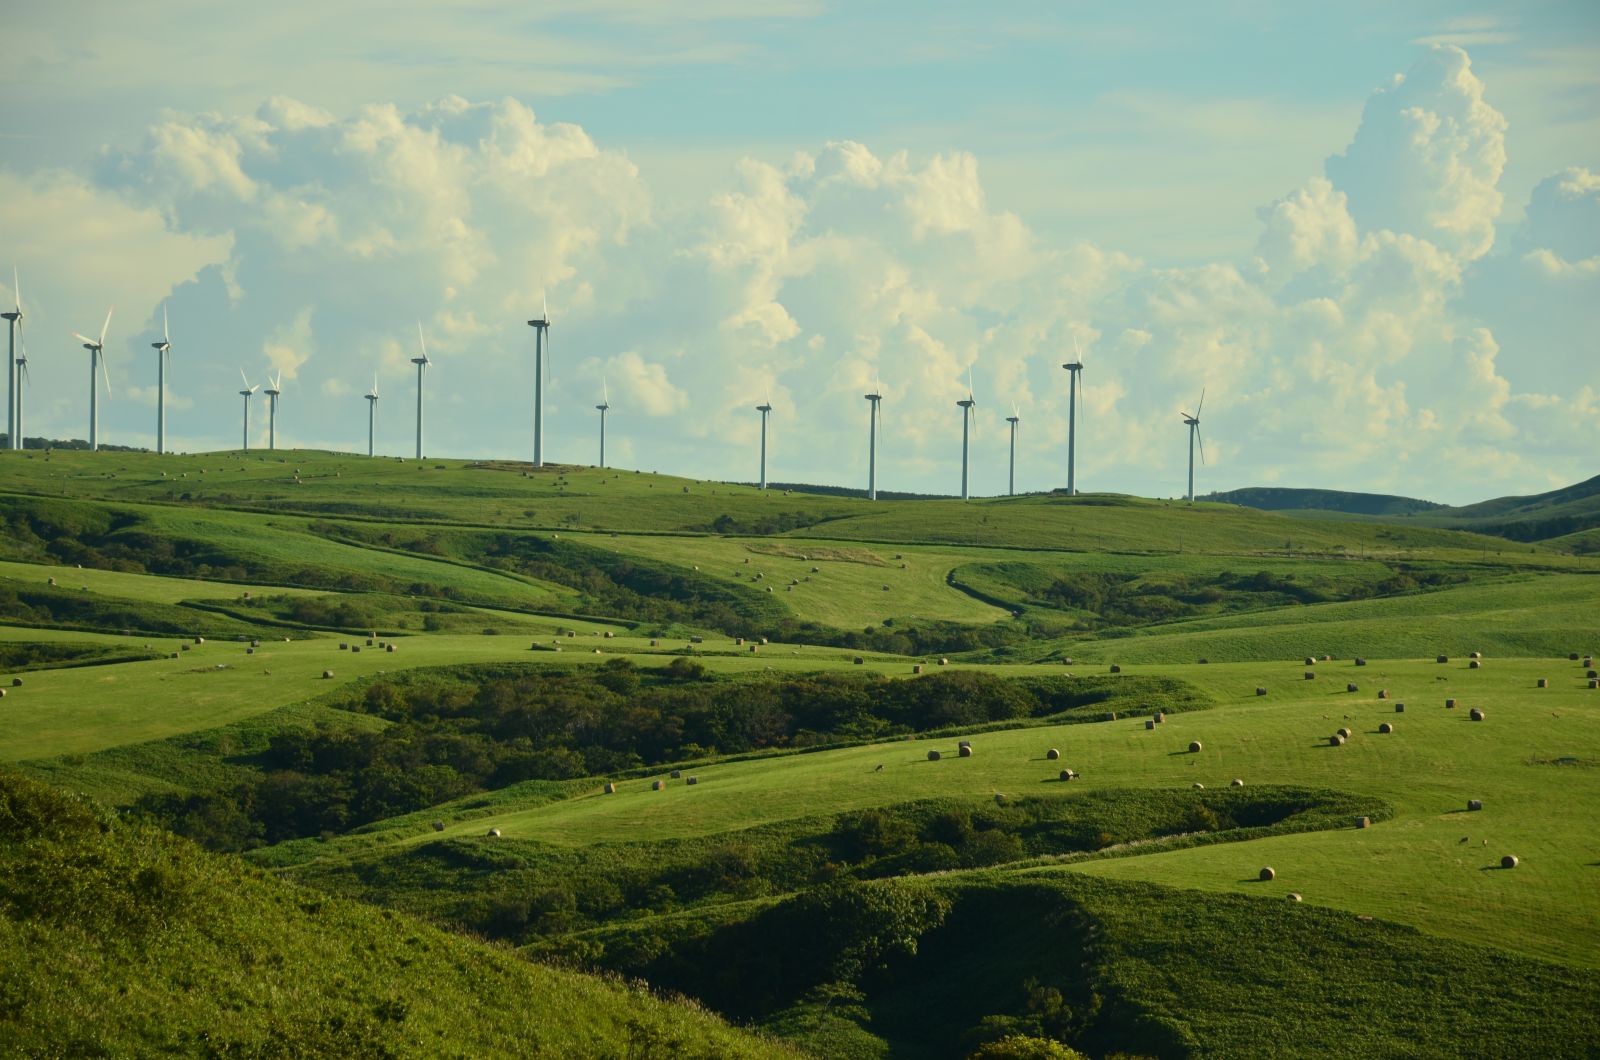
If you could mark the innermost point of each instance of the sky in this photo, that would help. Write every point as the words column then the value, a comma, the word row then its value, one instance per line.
column 1369, row 233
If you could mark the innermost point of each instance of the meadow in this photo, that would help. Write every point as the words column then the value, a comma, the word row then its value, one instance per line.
column 408, row 686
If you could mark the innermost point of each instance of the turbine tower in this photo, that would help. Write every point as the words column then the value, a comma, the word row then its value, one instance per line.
column 22, row 379
column 539, row 326
column 1011, row 479
column 872, row 442
column 274, row 388
column 1194, row 435
column 603, row 408
column 966, row 404
column 247, row 393
column 163, row 354
column 765, row 408
column 372, row 411
column 422, row 363
column 1073, row 385
column 13, row 395
column 97, row 365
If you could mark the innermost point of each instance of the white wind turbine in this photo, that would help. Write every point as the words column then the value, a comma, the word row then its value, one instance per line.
column 422, row 363
column 874, row 399
column 1073, row 386
column 603, row 408
column 372, row 411
column 13, row 390
column 247, row 393
column 163, row 355
column 1194, row 435
column 22, row 377
column 765, row 408
column 540, row 327
column 274, row 388
column 968, row 428
column 1011, row 479
column 97, row 366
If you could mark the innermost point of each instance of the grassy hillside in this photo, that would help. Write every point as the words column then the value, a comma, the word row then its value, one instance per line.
column 121, row 941
column 1277, row 499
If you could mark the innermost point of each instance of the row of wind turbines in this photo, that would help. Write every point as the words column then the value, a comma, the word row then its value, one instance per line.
column 18, row 375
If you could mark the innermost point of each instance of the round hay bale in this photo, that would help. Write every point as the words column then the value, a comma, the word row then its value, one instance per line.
column 1588, row 660
column 610, row 788
column 1449, row 704
column 655, row 643
column 1543, row 683
column 1150, row 723
column 1386, row 728
column 344, row 646
column 738, row 641
column 1195, row 747
column 859, row 661
column 355, row 649
column 676, row 774
column 51, row 581
column 1267, row 875
column 1294, row 897
column 1360, row 661
column 255, row 644
column 1109, row 715
column 1474, row 665
column 16, row 682
column 1591, row 674
column 1115, row 668
column 249, row 651
column 1311, row 675
column 596, row 651
column 1352, row 687
column 1442, row 658
column 963, row 743
column 371, row 641
column 327, row 675
column 692, row 780
column 916, row 669
column 1363, row 822
column 965, row 750
column 389, row 648
column 199, row 640
column 1336, row 740
column 1161, row 716
column 1475, row 714
column 657, row 785
column 999, row 798
column 1311, row 660
column 174, row 655
column 1477, row 655
column 1260, row 691
column 1510, row 861
column 933, row 756
column 1067, row 774
column 754, row 648
column 1383, row 693
column 1594, row 682
column 764, row 640
column 1573, row 656
column 1327, row 658
column 1204, row 661
column 1474, row 805
column 1345, row 732
column 493, row 833
column 1198, row 786
column 1236, row 783
column 944, row 662
column 1052, row 755
column 1399, row 708
column 438, row 826
column 609, row 635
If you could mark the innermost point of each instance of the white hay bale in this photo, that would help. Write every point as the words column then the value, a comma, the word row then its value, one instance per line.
column 1311, row 660
column 1294, row 897
column 1474, row 665
column 965, row 750
column 658, row 785
column 933, row 756
column 1383, row 693
column 1474, row 805
column 1386, row 728
column 1260, row 691
column 1475, row 714
column 493, row 833
column 1345, row 732
column 944, row 662
column 1236, row 782
column 1198, row 786
column 1336, row 740
column 1053, row 754
column 1363, row 822
column 610, row 788
column 1352, row 687
column 1543, row 683
column 327, row 675
column 1195, row 747
column 1267, row 874
column 1510, row 861
column 1149, row 723
column 1068, row 774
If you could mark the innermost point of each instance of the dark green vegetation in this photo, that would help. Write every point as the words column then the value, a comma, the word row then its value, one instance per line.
column 1278, row 499
column 795, row 838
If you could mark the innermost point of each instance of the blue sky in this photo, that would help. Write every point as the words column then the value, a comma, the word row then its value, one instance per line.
column 727, row 200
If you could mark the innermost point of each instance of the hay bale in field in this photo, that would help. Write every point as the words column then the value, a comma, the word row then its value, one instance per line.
column 944, row 662
column 1591, row 674
column 739, row 641
column 389, row 648
column 344, row 646
column 1588, row 660
column 1236, row 782
column 1203, row 662
column 1449, row 704
column 355, row 649
column 1195, row 747
column 658, row 785
column 655, row 643
column 1311, row 660
column 1260, row 691
column 755, row 648
column 1473, row 805
column 1441, row 658
column 1110, row 715
column 1352, row 687
column 1336, row 740
column 1386, row 728
column 1327, row 658
column 1510, row 861
column 963, row 743
column 933, row 756
column 1475, row 714
column 1052, row 754
column 1543, row 683
column 438, row 826
column 174, row 655
column 965, row 750
column 327, row 675
column 255, row 644
column 676, row 773
column 1594, row 682
column 1360, row 661
column 1150, row 723
column 692, row 780
column 249, row 651
column 917, row 668
column 609, row 635
column 1293, row 897
column 610, row 788
column 1161, row 716
column 1115, row 668
column 1399, row 708
column 1198, row 786
column 1069, row 774
column 1311, row 675
column 1573, row 656
column 493, row 833
column 1345, row 732
column 50, row 581
column 1477, row 655
column 1383, row 693
column 1474, row 665
column 1266, row 875
column 371, row 641
column 596, row 651
column 1363, row 822
column 199, row 640
column 859, row 661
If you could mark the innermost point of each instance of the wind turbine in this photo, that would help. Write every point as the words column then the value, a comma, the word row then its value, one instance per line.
column 163, row 354
column 274, row 388
column 1194, row 435
column 372, row 411
column 967, row 424
column 97, row 365
column 422, row 363
column 872, row 441
column 247, row 393
column 603, row 408
column 1073, row 385
column 22, row 378
column 765, row 408
column 13, row 397
column 1011, row 480
column 540, row 327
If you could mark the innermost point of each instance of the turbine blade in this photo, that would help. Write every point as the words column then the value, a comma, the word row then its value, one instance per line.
column 422, row 342
column 244, row 378
column 1202, row 404
column 81, row 337
column 106, row 326
column 166, row 335
column 1201, row 439
column 105, row 370
column 1077, row 349
column 16, row 289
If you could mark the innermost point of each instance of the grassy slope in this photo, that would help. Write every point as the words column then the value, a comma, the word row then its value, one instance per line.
column 130, row 942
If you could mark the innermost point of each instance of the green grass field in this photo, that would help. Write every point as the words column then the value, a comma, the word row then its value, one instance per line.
column 434, row 556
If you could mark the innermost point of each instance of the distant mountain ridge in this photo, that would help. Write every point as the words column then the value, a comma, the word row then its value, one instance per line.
column 1277, row 499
